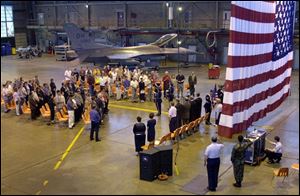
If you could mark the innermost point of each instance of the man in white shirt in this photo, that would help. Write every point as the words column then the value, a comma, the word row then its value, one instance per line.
column 114, row 75
column 212, row 161
column 7, row 96
column 218, row 110
column 68, row 74
column 134, row 85
column 275, row 153
column 172, row 117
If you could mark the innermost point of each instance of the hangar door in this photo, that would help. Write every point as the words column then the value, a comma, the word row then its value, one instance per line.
column 192, row 58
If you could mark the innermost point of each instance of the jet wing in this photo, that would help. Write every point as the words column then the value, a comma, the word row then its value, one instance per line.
column 131, row 53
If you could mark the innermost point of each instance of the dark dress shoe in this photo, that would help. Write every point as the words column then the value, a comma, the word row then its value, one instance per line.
column 91, row 139
column 237, row 185
column 210, row 189
column 98, row 140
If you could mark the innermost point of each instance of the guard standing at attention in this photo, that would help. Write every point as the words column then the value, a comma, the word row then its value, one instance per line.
column 238, row 159
column 157, row 98
column 212, row 162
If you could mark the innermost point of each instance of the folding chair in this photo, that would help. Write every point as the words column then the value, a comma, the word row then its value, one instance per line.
column 281, row 172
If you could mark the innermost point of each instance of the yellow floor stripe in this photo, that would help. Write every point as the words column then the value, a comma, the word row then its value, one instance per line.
column 39, row 192
column 135, row 108
column 68, row 149
column 45, row 182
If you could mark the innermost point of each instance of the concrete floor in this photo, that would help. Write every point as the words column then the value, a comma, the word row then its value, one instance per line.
column 30, row 150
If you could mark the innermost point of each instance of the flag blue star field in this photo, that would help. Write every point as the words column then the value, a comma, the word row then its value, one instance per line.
column 260, row 57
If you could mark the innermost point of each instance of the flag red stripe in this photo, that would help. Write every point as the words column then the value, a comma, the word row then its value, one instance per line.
column 238, row 128
column 246, row 61
column 229, row 109
column 235, row 85
column 250, row 38
column 250, row 15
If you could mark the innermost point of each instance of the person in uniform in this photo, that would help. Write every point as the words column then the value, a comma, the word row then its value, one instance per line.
column 212, row 162
column 139, row 130
column 172, row 117
column 238, row 159
column 151, row 129
column 180, row 84
column 192, row 83
column 157, row 98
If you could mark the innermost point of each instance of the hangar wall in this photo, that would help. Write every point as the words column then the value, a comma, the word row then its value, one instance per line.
column 37, row 22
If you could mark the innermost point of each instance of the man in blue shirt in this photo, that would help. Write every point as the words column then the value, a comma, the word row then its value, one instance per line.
column 126, row 84
column 95, row 123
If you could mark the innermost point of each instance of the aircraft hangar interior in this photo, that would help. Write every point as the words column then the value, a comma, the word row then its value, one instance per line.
column 149, row 97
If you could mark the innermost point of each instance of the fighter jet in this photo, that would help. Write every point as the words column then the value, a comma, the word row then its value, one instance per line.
column 89, row 51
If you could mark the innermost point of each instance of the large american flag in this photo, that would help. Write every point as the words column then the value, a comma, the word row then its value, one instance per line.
column 260, row 58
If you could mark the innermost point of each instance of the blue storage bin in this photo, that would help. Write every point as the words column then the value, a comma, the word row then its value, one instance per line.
column 8, row 49
column 3, row 50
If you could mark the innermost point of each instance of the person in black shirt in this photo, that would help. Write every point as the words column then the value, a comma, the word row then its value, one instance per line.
column 180, row 109
column 180, row 83
column 139, row 130
column 151, row 129
column 157, row 99
column 192, row 82
column 51, row 106
column 53, row 87
column 142, row 90
column 220, row 94
column 208, row 108
column 198, row 105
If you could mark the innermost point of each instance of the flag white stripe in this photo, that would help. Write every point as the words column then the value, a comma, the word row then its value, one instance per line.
column 251, row 71
column 246, row 26
column 258, row 6
column 229, row 121
column 244, row 94
column 249, row 49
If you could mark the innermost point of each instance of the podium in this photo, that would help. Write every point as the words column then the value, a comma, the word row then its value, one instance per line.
column 256, row 151
column 155, row 161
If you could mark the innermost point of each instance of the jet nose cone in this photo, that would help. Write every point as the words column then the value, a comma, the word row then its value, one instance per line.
column 188, row 51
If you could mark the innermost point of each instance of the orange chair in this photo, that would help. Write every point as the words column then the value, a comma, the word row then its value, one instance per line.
column 114, row 89
column 281, row 172
column 47, row 107
column 60, row 118
column 64, row 108
column 129, row 92
column 186, row 86
column 295, row 168
column 63, row 114
column 26, row 109
column 176, row 133
column 11, row 105
column 44, row 113
column 86, row 117
column 183, row 130
column 190, row 126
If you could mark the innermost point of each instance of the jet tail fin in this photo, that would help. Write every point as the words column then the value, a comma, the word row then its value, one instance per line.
column 79, row 39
